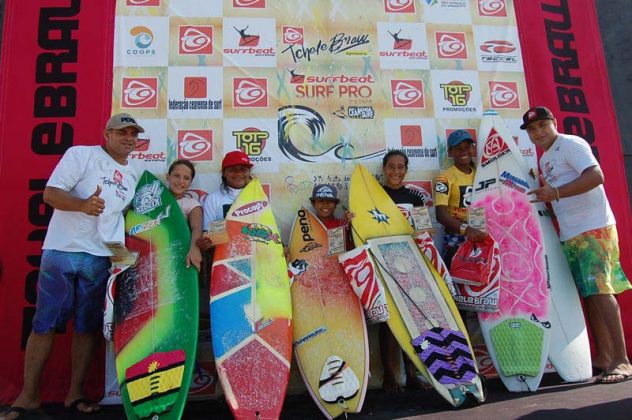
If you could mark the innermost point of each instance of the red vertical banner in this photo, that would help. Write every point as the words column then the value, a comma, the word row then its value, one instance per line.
column 566, row 71
column 55, row 92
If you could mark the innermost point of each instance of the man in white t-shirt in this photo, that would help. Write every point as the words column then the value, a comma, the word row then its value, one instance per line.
column 573, row 184
column 89, row 189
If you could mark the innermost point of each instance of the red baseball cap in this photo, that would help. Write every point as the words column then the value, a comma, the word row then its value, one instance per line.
column 234, row 158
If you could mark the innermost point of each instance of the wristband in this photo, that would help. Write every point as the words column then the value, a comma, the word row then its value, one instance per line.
column 463, row 228
column 557, row 194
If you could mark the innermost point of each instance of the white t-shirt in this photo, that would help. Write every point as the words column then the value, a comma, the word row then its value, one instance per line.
column 187, row 204
column 564, row 162
column 217, row 203
column 79, row 172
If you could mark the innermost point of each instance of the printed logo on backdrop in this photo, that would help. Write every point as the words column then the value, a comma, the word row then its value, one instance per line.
column 498, row 51
column 294, row 124
column 456, row 93
column 247, row 40
column 340, row 43
column 527, row 149
column 249, row 4
column 504, row 95
column 250, row 42
column 195, row 92
column 249, row 92
column 296, row 77
column 403, row 45
column 410, row 135
column 422, row 188
column 492, row 8
column 293, row 35
column 150, row 3
column 407, row 94
column 456, row 4
column 252, row 141
column 195, row 39
column 195, row 87
column 139, row 92
column 256, row 137
column 142, row 152
column 451, row 45
column 355, row 112
column 416, row 137
column 195, row 145
column 142, row 38
column 399, row 6
column 411, row 139
column 354, row 88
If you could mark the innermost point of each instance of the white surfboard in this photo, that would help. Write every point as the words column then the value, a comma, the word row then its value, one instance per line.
column 518, row 335
column 569, row 350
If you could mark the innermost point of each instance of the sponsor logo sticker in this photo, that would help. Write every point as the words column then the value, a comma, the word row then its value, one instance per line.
column 250, row 208
column 494, row 148
column 148, row 198
column 441, row 187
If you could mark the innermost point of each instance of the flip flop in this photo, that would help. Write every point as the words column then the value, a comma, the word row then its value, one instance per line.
column 618, row 378
column 597, row 371
column 74, row 407
column 23, row 413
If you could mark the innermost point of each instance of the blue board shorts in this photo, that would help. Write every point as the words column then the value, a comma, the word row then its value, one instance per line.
column 70, row 283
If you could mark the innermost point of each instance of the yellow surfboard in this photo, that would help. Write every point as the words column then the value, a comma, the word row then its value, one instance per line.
column 423, row 316
column 329, row 331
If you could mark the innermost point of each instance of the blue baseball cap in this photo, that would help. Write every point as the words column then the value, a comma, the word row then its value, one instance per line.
column 325, row 192
column 458, row 136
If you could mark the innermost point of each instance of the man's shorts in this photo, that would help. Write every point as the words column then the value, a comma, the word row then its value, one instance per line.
column 593, row 257
column 70, row 283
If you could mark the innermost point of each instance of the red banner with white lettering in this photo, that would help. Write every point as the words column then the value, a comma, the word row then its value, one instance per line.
column 566, row 71
column 55, row 92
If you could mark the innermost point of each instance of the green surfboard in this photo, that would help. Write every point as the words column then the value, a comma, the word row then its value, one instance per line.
column 156, row 307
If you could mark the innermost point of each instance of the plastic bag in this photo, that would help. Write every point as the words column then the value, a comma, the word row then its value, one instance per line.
column 473, row 262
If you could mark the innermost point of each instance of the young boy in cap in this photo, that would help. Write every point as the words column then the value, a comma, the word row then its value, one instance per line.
column 573, row 184
column 453, row 190
column 324, row 199
column 236, row 167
